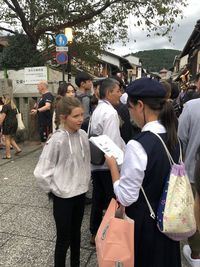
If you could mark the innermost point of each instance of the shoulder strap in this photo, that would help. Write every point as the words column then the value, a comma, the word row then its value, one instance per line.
column 167, row 151
column 152, row 213
column 171, row 161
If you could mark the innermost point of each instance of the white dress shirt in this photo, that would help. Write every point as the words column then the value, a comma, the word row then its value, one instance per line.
column 105, row 120
column 133, row 168
column 124, row 98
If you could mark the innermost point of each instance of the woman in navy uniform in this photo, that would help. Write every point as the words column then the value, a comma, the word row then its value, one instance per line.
column 146, row 164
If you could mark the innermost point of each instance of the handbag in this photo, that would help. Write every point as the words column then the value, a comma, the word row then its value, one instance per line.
column 20, row 124
column 175, row 214
column 115, row 238
column 97, row 155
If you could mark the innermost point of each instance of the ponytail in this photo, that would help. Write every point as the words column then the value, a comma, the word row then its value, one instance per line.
column 168, row 119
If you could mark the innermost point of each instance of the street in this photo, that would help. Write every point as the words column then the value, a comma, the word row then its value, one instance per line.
column 27, row 231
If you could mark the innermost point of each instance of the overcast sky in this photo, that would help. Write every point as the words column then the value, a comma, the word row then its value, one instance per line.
column 180, row 36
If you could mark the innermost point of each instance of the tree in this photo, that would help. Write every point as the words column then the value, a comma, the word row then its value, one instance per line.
column 20, row 53
column 105, row 18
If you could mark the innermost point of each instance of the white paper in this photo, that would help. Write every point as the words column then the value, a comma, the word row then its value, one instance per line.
column 104, row 143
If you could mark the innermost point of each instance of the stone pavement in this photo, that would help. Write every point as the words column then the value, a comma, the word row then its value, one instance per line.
column 27, row 231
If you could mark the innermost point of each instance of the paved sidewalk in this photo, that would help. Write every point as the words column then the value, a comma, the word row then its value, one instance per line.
column 27, row 231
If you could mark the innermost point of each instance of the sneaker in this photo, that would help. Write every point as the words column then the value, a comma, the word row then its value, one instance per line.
column 187, row 255
column 92, row 240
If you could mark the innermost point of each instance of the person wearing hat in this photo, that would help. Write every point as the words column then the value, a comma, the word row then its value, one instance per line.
column 146, row 164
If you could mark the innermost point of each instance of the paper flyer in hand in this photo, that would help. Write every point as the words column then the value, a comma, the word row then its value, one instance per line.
column 104, row 143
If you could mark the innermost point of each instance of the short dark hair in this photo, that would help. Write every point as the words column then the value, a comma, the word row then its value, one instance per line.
column 107, row 85
column 82, row 77
column 121, row 83
column 175, row 90
column 97, row 82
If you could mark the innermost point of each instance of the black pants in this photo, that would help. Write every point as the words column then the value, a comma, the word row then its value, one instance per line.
column 44, row 132
column 68, row 215
column 101, row 196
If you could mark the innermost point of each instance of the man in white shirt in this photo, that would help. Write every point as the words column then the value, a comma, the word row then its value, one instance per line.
column 104, row 121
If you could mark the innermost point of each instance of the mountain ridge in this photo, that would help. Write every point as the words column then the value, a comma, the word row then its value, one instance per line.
column 156, row 59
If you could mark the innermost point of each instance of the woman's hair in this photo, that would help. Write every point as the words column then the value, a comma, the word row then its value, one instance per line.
column 8, row 101
column 166, row 116
column 66, row 104
column 62, row 89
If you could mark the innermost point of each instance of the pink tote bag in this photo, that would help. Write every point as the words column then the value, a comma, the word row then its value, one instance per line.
column 115, row 239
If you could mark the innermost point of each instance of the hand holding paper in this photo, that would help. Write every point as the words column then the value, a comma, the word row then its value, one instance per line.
column 104, row 143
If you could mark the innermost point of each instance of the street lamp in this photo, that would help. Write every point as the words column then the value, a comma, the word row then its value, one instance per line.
column 69, row 35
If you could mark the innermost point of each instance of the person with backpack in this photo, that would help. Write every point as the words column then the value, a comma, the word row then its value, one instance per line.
column 146, row 164
column 84, row 82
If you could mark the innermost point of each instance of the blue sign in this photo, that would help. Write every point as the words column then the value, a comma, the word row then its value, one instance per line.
column 61, row 40
column 61, row 58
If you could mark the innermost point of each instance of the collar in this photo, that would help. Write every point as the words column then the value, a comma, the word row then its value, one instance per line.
column 154, row 126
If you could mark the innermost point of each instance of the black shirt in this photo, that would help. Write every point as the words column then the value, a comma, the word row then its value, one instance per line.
column 45, row 117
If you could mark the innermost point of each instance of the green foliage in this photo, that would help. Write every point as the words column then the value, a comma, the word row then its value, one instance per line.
column 20, row 53
column 155, row 60
column 105, row 18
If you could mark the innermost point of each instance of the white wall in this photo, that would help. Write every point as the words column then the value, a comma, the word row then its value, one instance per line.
column 19, row 87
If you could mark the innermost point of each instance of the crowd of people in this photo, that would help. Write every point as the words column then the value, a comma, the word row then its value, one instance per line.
column 130, row 116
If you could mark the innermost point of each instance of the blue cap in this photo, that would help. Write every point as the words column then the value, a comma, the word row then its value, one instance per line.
column 146, row 88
